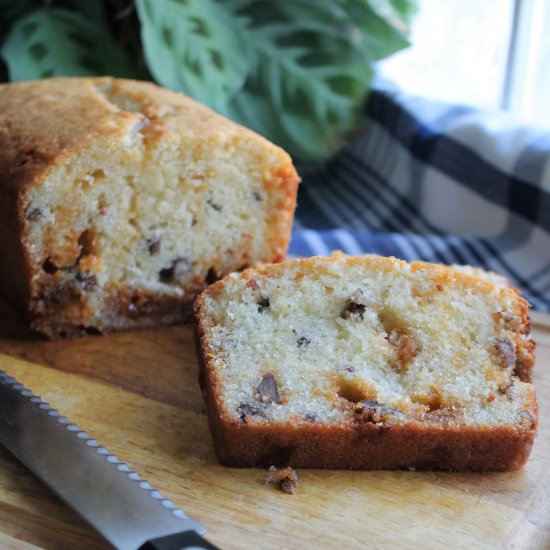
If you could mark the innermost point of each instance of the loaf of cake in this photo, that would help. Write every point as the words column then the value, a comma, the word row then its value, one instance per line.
column 366, row 363
column 120, row 201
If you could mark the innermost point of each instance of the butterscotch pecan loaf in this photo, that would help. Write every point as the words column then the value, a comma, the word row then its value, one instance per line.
column 120, row 200
column 366, row 363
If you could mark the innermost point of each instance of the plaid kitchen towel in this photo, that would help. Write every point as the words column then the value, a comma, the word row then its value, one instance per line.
column 435, row 182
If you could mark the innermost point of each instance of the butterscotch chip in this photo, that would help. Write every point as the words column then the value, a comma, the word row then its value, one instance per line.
column 405, row 346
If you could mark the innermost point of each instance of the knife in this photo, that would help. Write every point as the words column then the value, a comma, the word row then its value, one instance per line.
column 115, row 500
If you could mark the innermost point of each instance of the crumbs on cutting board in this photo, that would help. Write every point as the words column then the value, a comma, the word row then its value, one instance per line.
column 286, row 479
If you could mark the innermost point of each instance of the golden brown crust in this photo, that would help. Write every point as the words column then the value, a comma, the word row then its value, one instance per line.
column 286, row 179
column 366, row 445
column 42, row 122
column 371, row 447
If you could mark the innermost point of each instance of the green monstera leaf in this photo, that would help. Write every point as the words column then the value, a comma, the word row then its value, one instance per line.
column 56, row 42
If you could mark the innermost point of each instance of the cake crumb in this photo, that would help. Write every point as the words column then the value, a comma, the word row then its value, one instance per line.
column 286, row 478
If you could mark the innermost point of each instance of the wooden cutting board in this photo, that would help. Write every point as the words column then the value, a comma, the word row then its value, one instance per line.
column 137, row 394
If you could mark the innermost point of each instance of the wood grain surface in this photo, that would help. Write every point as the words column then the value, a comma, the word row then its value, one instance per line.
column 137, row 394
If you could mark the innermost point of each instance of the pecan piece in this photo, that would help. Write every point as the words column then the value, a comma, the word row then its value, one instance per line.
column 245, row 411
column 33, row 214
column 217, row 207
column 153, row 246
column 506, row 350
column 263, row 304
column 86, row 282
column 267, row 390
column 63, row 293
column 357, row 305
column 303, row 342
column 179, row 268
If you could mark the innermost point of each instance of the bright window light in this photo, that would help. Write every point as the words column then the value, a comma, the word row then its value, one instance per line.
column 461, row 52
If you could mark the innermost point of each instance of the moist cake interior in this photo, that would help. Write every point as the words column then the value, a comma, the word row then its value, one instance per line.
column 333, row 342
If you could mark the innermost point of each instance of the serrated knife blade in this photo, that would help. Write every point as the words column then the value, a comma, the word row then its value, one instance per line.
column 115, row 500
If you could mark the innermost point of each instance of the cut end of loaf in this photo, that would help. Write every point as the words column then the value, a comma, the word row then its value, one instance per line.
column 142, row 199
column 363, row 346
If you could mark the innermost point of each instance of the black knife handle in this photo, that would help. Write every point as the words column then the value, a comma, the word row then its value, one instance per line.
column 189, row 540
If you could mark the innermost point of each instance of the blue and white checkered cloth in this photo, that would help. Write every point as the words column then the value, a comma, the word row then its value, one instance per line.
column 435, row 182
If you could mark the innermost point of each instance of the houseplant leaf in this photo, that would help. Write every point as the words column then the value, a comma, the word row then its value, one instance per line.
column 296, row 71
column 194, row 46
column 311, row 72
column 56, row 42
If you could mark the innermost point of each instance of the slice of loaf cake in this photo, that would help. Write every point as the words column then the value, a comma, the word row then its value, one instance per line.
column 120, row 200
column 366, row 363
